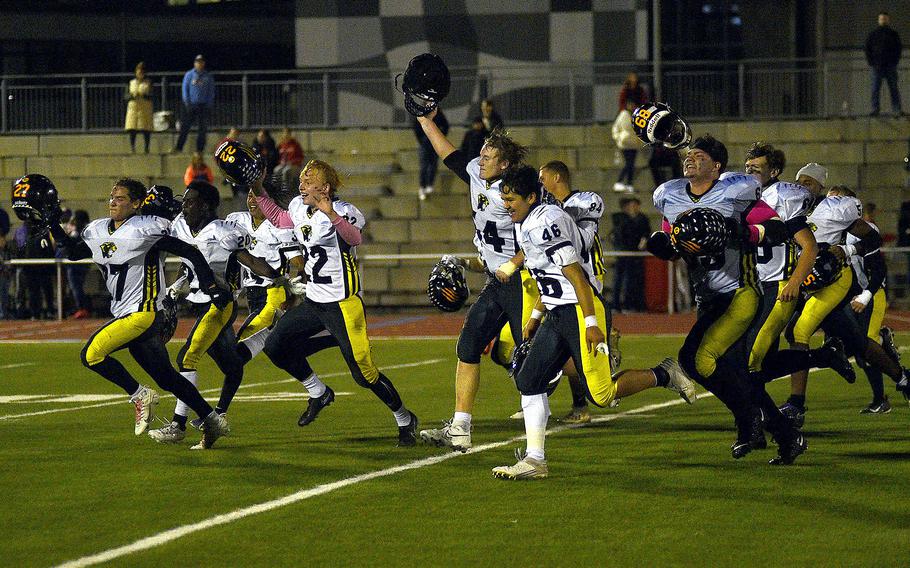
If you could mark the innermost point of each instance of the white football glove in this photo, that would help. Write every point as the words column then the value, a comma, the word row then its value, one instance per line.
column 179, row 290
column 457, row 261
column 297, row 286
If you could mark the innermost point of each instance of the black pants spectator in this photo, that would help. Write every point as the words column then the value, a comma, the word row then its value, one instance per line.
column 39, row 281
column 629, row 284
column 628, row 170
column 193, row 114
column 889, row 74
column 429, row 162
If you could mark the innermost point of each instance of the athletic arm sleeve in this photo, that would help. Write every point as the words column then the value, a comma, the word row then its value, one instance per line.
column 75, row 249
column 874, row 266
column 184, row 250
column 274, row 213
column 869, row 243
column 457, row 161
column 348, row 232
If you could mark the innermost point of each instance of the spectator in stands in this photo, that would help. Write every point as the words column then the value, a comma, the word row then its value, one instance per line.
column 139, row 108
column 198, row 99
column 6, row 271
column 265, row 145
column 883, row 51
column 473, row 138
column 664, row 159
column 632, row 92
column 869, row 211
column 628, row 144
column 35, row 242
column 198, row 170
column 75, row 273
column 290, row 160
column 429, row 161
column 630, row 233
column 491, row 118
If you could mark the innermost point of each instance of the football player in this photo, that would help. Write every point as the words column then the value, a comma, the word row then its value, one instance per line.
column 224, row 246
column 499, row 302
column 576, row 324
column 831, row 219
column 127, row 248
column 328, row 230
column 714, row 353
column 868, row 304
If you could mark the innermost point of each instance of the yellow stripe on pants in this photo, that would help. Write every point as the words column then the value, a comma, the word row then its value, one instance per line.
column 596, row 366
column 771, row 329
column 204, row 334
column 355, row 323
column 274, row 297
column 879, row 305
column 726, row 330
column 116, row 334
column 820, row 304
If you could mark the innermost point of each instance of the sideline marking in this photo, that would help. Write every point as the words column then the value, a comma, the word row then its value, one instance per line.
column 53, row 398
column 16, row 365
column 218, row 389
column 169, row 535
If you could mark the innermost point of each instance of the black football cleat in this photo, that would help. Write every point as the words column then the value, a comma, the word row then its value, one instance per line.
column 888, row 344
column 840, row 363
column 791, row 448
column 315, row 406
column 749, row 435
column 407, row 435
column 793, row 413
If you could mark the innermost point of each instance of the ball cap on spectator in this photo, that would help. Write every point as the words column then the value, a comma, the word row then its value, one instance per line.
column 200, row 57
column 814, row 171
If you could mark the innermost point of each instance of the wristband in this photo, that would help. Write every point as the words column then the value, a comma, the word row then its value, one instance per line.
column 536, row 314
column 849, row 250
column 590, row 321
column 863, row 297
column 508, row 268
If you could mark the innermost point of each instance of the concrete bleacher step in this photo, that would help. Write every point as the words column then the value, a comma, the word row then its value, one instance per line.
column 407, row 183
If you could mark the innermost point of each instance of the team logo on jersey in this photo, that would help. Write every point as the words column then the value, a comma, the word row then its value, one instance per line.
column 482, row 202
column 310, row 212
column 108, row 250
column 812, row 226
column 306, row 232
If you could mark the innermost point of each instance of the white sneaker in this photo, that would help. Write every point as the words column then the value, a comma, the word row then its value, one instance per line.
column 525, row 468
column 213, row 427
column 455, row 435
column 145, row 401
column 680, row 383
column 619, row 186
column 629, row 188
column 170, row 433
column 428, row 190
column 422, row 193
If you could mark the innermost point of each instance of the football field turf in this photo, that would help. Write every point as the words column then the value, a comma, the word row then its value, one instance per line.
column 650, row 483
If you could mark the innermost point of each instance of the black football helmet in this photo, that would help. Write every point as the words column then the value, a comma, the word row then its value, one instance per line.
column 447, row 288
column 239, row 163
column 35, row 199
column 160, row 202
column 426, row 81
column 699, row 232
column 519, row 354
column 658, row 124
column 825, row 271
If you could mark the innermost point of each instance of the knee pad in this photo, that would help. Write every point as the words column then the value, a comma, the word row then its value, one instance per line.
column 469, row 347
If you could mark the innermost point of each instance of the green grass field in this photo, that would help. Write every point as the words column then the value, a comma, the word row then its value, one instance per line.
column 641, row 487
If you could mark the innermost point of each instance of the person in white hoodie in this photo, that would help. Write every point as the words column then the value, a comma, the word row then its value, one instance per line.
column 628, row 143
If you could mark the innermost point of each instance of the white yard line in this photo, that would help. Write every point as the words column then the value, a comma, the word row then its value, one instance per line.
column 246, row 385
column 16, row 365
column 170, row 535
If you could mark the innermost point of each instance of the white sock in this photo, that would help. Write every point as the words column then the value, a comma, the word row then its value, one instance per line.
column 402, row 416
column 182, row 409
column 256, row 342
column 314, row 386
column 536, row 408
column 462, row 417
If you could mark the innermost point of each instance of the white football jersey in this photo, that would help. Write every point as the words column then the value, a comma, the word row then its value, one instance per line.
column 330, row 263
column 217, row 241
column 586, row 208
column 833, row 216
column 856, row 261
column 551, row 240
column 494, row 232
column 732, row 195
column 789, row 200
column 129, row 261
column 273, row 245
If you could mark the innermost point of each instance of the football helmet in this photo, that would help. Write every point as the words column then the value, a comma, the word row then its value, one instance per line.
column 658, row 124
column 825, row 271
column 425, row 82
column 169, row 321
column 239, row 163
column 447, row 287
column 699, row 232
column 519, row 355
column 160, row 202
column 35, row 199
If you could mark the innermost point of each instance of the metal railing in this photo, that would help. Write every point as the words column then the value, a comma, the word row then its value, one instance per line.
column 898, row 260
column 536, row 93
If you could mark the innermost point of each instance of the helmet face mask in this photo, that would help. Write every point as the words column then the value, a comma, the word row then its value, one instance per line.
column 424, row 84
column 447, row 287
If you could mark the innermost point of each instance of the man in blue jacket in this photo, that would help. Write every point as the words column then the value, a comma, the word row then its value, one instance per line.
column 198, row 98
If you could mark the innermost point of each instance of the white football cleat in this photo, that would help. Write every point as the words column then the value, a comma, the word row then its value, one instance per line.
column 170, row 433
column 680, row 382
column 145, row 401
column 525, row 468
column 455, row 435
column 213, row 427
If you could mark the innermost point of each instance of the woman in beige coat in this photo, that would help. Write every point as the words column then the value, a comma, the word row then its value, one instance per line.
column 139, row 108
column 627, row 142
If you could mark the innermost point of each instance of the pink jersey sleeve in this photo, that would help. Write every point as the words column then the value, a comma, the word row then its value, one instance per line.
column 758, row 214
column 278, row 216
column 665, row 226
column 347, row 231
